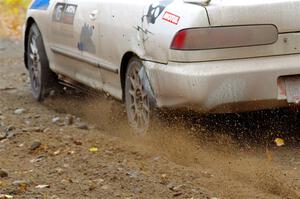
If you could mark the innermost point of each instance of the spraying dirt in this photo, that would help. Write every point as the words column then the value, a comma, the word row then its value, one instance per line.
column 75, row 145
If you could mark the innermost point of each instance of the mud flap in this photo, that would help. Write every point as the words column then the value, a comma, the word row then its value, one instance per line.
column 292, row 85
column 145, row 81
column 289, row 89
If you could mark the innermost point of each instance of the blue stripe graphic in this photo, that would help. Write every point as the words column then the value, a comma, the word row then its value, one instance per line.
column 40, row 4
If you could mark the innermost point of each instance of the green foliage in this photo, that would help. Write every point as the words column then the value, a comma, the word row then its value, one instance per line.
column 15, row 6
column 12, row 14
column 19, row 3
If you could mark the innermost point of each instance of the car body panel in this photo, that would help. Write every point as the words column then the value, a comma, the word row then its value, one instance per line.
column 206, row 85
column 73, row 31
column 89, row 46
column 240, row 12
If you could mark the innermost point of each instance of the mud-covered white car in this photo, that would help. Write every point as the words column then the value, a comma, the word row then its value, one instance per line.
column 219, row 55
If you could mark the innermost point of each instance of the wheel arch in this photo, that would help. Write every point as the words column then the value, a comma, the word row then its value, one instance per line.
column 124, row 64
column 30, row 21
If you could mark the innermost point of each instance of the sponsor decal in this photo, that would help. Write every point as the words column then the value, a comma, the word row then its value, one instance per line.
column 69, row 14
column 150, row 17
column 155, row 10
column 40, row 5
column 86, row 42
column 64, row 13
column 170, row 17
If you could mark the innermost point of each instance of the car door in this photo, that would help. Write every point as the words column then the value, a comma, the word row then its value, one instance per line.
column 74, row 41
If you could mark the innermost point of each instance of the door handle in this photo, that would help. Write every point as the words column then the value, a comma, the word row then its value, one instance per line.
column 93, row 15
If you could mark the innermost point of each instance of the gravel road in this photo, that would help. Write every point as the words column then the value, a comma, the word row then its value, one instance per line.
column 78, row 146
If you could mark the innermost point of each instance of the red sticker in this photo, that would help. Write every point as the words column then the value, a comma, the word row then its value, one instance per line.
column 172, row 18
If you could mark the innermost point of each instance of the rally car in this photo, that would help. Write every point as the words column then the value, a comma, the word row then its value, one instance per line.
column 218, row 55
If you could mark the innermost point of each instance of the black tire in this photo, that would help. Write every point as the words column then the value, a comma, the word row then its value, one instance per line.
column 42, row 79
column 136, row 98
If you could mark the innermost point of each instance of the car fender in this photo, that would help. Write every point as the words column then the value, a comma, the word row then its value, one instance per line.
column 157, row 32
column 38, row 11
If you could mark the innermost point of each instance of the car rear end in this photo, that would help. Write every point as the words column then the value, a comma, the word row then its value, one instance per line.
column 248, row 57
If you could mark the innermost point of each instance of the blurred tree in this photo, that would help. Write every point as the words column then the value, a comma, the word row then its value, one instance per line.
column 12, row 14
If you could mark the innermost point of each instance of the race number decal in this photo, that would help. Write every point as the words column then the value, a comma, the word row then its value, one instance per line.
column 171, row 18
column 69, row 14
column 58, row 12
column 64, row 13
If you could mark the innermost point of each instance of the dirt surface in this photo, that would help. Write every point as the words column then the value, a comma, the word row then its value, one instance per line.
column 80, row 147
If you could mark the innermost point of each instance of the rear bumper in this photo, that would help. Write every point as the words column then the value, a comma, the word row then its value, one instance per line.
column 212, row 84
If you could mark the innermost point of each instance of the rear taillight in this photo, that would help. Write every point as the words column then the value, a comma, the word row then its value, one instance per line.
column 179, row 40
column 224, row 37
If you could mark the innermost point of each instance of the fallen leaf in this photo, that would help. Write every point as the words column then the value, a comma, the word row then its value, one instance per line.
column 56, row 152
column 93, row 149
column 7, row 88
column 23, row 187
column 43, row 186
column 279, row 142
column 77, row 142
column 38, row 159
column 71, row 152
column 5, row 196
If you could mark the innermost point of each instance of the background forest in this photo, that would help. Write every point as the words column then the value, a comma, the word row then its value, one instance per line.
column 12, row 14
